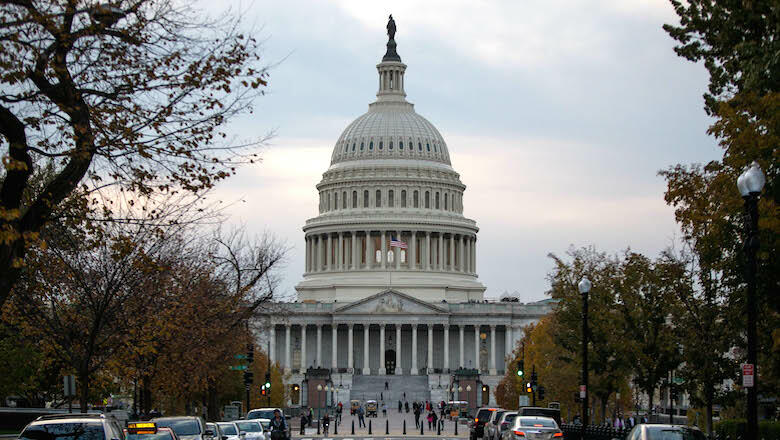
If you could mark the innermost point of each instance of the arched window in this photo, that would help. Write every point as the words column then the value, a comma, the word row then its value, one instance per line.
column 365, row 199
column 328, row 202
column 403, row 198
column 354, row 199
column 380, row 145
column 346, row 147
column 353, row 146
column 446, row 201
column 378, row 198
column 362, row 146
column 401, row 145
column 434, row 148
column 390, row 199
column 427, row 199
column 344, row 200
column 371, row 145
column 416, row 197
column 335, row 201
column 437, row 199
column 391, row 145
column 428, row 147
column 403, row 256
column 419, row 146
column 378, row 256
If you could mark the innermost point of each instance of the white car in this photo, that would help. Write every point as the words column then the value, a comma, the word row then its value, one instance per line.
column 230, row 430
column 252, row 429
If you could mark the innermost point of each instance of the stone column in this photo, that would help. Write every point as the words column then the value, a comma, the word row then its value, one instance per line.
column 335, row 336
column 474, row 255
column 287, row 366
column 384, row 250
column 397, row 252
column 306, row 265
column 446, row 348
column 476, row 348
column 508, row 348
column 317, row 252
column 350, row 347
column 411, row 263
column 461, row 328
column 492, row 352
column 329, row 250
column 272, row 335
column 366, row 363
column 382, row 370
column 462, row 253
column 440, row 253
column 319, row 346
column 369, row 250
column 427, row 252
column 414, row 350
column 398, row 366
column 429, row 365
column 355, row 254
column 303, row 347
column 467, row 259
column 340, row 260
column 451, row 267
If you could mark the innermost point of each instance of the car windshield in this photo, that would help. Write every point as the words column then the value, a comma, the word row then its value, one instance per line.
column 180, row 427
column 249, row 426
column 538, row 423
column 159, row 435
column 65, row 431
column 509, row 418
column 673, row 433
column 266, row 423
column 498, row 415
column 260, row 414
column 484, row 415
column 228, row 429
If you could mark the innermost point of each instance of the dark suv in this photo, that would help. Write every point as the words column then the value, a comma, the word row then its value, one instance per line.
column 478, row 426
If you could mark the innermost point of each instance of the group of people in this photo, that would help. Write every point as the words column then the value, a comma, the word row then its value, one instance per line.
column 307, row 417
column 419, row 409
column 618, row 423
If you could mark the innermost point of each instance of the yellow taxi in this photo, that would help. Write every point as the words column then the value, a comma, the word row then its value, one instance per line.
column 148, row 431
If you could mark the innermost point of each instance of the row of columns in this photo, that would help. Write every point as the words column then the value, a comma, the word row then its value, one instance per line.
column 354, row 250
column 366, row 346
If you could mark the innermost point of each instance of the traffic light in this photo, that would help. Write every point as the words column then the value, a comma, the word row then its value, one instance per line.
column 528, row 387
column 520, row 368
column 248, row 377
column 263, row 391
column 540, row 392
column 250, row 353
column 533, row 378
column 267, row 383
column 674, row 393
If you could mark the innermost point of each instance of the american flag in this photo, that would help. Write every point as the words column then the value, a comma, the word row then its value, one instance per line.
column 394, row 242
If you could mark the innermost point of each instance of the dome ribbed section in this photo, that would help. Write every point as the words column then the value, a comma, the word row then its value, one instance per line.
column 391, row 131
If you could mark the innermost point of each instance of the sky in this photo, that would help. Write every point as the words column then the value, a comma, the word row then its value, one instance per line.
column 558, row 116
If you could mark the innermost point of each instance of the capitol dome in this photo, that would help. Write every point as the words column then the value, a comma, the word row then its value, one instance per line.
column 391, row 208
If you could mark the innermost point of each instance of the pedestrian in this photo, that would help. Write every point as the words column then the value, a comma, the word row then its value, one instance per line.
column 381, row 396
column 304, row 420
column 361, row 417
column 311, row 414
column 384, row 409
column 631, row 422
column 404, row 395
column 278, row 426
column 400, row 406
column 435, row 419
column 417, row 417
column 406, row 407
column 325, row 423
column 387, row 386
column 430, row 420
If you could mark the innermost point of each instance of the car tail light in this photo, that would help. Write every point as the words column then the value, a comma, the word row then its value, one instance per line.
column 476, row 420
column 519, row 433
column 558, row 434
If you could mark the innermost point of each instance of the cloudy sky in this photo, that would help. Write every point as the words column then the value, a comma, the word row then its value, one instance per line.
column 557, row 114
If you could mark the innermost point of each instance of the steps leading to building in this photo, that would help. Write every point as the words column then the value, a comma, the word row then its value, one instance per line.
column 415, row 388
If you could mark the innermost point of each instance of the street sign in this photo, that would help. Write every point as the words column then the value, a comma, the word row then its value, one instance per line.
column 747, row 375
column 238, row 367
column 582, row 391
column 69, row 386
column 524, row 401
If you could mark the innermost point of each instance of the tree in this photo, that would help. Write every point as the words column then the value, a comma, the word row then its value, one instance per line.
column 126, row 100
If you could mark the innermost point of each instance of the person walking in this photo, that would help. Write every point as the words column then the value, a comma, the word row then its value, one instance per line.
column 278, row 426
column 384, row 409
column 387, row 386
column 400, row 406
column 361, row 417
column 406, row 407
column 430, row 420
column 416, row 416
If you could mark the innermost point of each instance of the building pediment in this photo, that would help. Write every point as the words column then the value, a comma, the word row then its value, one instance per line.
column 390, row 302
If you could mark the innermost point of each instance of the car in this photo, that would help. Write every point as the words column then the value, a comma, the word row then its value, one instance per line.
column 534, row 427
column 229, row 431
column 214, row 428
column 665, row 432
column 268, row 413
column 491, row 426
column 477, row 430
column 186, row 427
column 553, row 413
column 148, row 431
column 504, row 423
column 73, row 427
column 266, row 427
column 252, row 429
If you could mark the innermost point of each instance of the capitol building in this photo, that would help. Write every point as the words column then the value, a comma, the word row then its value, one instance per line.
column 390, row 294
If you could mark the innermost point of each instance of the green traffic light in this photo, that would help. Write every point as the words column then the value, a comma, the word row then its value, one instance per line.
column 520, row 373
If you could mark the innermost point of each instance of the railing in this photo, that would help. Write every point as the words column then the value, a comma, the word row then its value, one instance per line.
column 593, row 432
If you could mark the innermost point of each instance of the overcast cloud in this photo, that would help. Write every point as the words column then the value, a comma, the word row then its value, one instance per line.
column 557, row 114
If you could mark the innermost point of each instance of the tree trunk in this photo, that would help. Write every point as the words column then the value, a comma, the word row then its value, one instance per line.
column 708, row 401
column 650, row 403
column 83, row 390
column 213, row 404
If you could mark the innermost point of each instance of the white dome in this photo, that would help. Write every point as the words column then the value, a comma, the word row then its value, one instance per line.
column 391, row 130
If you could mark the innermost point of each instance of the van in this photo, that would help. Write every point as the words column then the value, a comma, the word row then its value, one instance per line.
column 553, row 413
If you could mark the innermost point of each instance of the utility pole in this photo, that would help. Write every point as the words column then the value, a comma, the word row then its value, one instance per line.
column 268, row 380
column 533, row 385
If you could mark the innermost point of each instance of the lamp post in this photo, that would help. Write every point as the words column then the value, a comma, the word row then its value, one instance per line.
column 584, row 287
column 750, row 184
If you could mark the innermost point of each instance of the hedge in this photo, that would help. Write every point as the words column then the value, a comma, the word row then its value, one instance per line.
column 735, row 429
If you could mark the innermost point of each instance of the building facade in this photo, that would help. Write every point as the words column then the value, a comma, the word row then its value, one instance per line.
column 390, row 296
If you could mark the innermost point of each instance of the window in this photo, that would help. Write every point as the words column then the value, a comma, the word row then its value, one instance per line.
column 336, row 201
column 434, row 148
column 354, row 199
column 437, row 200
column 362, row 146
column 378, row 198
column 427, row 199
column 401, row 145
column 328, row 202
column 353, row 146
column 416, row 197
column 365, row 199
column 65, row 431
column 419, row 145
column 428, row 147
column 371, row 145
column 344, row 200
column 380, row 145
column 378, row 255
column 346, row 147
column 403, row 256
column 403, row 198
column 391, row 145
column 446, row 201
column 390, row 199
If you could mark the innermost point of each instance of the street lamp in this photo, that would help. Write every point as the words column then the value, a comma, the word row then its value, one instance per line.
column 750, row 183
column 584, row 287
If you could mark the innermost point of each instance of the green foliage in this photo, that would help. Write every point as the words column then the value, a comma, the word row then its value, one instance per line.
column 735, row 428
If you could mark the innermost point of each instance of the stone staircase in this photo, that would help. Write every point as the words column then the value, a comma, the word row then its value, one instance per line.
column 373, row 387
